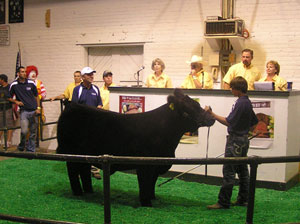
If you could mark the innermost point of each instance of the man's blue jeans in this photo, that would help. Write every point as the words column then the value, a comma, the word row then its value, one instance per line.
column 28, row 122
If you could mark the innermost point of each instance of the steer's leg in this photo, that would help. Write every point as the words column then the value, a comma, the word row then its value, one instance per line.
column 145, row 181
column 86, row 179
column 154, row 179
column 73, row 173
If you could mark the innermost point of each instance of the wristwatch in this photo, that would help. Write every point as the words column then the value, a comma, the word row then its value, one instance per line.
column 38, row 108
column 194, row 77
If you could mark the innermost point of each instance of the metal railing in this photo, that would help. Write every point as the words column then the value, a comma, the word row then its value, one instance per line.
column 42, row 124
column 107, row 161
column 40, row 135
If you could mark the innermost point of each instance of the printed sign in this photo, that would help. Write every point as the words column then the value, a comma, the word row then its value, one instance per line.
column 131, row 104
column 264, row 111
column 4, row 35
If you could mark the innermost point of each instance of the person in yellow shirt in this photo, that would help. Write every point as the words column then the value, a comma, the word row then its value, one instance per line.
column 104, row 92
column 198, row 78
column 158, row 79
column 69, row 90
column 272, row 70
column 244, row 69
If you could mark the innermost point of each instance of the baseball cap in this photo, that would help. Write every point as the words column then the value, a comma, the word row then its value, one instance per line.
column 87, row 70
column 106, row 73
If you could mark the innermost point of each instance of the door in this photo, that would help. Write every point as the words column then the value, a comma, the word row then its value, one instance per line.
column 123, row 61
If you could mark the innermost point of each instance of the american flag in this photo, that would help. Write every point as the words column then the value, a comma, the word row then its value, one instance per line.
column 18, row 63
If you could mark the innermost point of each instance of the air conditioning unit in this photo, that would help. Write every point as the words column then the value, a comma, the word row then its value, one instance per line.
column 229, row 27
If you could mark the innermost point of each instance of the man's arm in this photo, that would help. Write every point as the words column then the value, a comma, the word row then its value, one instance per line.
column 75, row 96
column 38, row 109
column 231, row 73
column 19, row 103
column 11, row 99
column 226, row 86
column 100, row 103
column 198, row 85
column 59, row 97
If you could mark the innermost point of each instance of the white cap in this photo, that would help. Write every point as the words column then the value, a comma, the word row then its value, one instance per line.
column 87, row 70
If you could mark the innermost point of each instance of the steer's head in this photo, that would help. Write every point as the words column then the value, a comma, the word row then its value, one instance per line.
column 189, row 110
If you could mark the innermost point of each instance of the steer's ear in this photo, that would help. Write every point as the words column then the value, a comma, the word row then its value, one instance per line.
column 175, row 101
column 178, row 96
column 171, row 99
column 178, row 93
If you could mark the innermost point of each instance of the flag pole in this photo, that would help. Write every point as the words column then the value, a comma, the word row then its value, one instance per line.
column 19, row 49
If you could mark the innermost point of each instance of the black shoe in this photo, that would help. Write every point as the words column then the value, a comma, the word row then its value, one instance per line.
column 20, row 149
column 216, row 206
column 239, row 203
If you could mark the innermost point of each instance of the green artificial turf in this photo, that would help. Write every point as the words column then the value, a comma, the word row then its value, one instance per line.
column 36, row 188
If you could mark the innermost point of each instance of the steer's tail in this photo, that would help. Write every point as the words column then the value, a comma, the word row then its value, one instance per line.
column 58, row 149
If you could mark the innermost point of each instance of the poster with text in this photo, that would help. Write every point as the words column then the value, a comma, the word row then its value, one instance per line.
column 264, row 130
column 16, row 11
column 2, row 11
column 131, row 104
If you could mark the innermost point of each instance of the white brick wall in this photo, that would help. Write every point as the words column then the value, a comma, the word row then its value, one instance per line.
column 173, row 31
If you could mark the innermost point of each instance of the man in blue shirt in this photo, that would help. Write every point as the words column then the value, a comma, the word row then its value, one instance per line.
column 28, row 101
column 239, row 122
column 87, row 93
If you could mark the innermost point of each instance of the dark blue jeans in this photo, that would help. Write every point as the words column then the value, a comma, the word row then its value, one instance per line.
column 236, row 146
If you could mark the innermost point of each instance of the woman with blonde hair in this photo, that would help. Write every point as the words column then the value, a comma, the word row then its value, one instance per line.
column 158, row 79
column 272, row 70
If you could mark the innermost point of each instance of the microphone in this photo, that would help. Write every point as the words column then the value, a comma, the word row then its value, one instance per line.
column 142, row 68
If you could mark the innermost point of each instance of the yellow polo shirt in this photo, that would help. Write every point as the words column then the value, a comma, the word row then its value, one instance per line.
column 280, row 83
column 162, row 81
column 251, row 74
column 69, row 91
column 188, row 82
column 104, row 92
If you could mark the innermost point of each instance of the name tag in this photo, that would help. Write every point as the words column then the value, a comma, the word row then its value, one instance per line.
column 94, row 94
column 28, row 88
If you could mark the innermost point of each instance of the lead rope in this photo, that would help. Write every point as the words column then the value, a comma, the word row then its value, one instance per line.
column 222, row 154
column 207, row 144
column 179, row 175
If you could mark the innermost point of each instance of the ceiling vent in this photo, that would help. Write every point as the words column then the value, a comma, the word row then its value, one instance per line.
column 228, row 27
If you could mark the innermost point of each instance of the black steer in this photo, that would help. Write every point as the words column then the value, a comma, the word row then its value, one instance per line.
column 83, row 130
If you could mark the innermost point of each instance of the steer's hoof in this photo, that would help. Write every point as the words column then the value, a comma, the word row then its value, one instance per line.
column 90, row 191
column 146, row 204
column 77, row 193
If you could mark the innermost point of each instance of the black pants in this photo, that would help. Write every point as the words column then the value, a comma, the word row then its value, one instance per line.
column 236, row 146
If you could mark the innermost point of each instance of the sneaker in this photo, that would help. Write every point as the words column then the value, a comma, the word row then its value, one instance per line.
column 96, row 174
column 93, row 168
column 239, row 203
column 216, row 206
